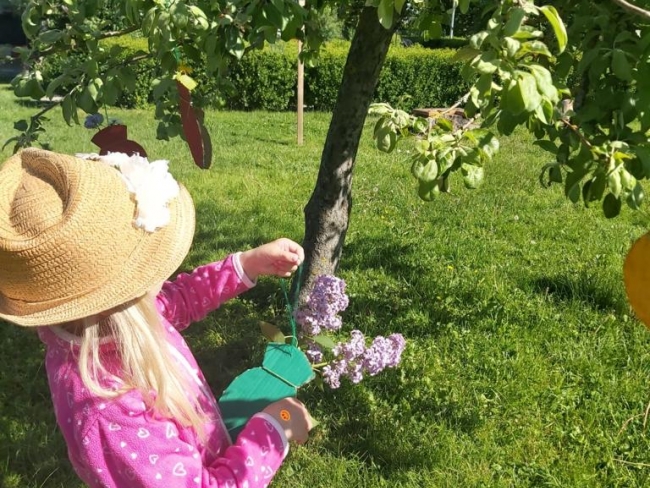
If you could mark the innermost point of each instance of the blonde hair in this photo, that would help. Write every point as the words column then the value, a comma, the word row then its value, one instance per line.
column 147, row 364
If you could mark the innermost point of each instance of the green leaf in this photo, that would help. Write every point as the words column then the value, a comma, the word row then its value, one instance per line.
column 536, row 48
column 425, row 170
column 274, row 16
column 86, row 102
column 476, row 41
column 68, row 107
column 512, row 46
column 465, row 54
column 487, row 63
column 559, row 29
column 428, row 190
column 386, row 139
column 111, row 91
column 271, row 332
column 593, row 189
column 515, row 19
column 399, row 4
column 50, row 36
column 628, row 181
column 635, row 198
column 544, row 82
column 621, row 66
column 529, row 91
column 611, row 206
column 472, row 175
column 324, row 341
column 161, row 86
column 56, row 83
column 614, row 183
column 445, row 124
column 21, row 125
column 463, row 5
column 385, row 12
column 527, row 32
column 547, row 146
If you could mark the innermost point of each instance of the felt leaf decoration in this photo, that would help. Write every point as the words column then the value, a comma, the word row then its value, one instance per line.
column 284, row 369
column 187, row 81
column 114, row 139
column 194, row 129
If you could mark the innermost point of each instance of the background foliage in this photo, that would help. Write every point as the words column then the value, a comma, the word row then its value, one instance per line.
column 266, row 79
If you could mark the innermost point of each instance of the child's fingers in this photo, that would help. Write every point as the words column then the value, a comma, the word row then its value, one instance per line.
column 294, row 249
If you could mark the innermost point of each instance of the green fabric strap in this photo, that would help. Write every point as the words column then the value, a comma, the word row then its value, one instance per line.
column 290, row 307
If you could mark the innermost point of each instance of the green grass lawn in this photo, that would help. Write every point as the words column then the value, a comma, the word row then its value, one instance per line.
column 524, row 364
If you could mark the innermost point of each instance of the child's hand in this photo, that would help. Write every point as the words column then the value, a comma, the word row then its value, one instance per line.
column 294, row 417
column 279, row 258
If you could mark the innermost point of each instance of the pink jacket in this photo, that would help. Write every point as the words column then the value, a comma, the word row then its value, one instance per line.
column 120, row 443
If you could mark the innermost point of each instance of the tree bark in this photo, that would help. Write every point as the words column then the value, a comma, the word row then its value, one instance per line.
column 327, row 213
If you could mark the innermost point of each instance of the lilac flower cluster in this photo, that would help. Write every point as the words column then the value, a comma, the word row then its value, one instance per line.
column 93, row 121
column 322, row 306
column 354, row 359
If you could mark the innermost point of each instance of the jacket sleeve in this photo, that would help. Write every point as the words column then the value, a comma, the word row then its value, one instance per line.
column 142, row 453
column 191, row 296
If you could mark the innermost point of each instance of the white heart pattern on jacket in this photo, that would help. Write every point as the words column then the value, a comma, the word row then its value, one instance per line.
column 113, row 427
column 153, row 458
column 179, row 470
column 267, row 472
column 249, row 461
column 143, row 433
column 171, row 431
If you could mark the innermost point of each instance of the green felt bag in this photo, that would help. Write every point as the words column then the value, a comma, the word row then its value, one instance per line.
column 285, row 368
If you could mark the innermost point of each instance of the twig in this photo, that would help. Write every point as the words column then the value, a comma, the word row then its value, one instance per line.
column 124, row 32
column 627, row 422
column 576, row 130
column 638, row 465
column 469, row 122
column 460, row 102
column 105, row 35
column 633, row 8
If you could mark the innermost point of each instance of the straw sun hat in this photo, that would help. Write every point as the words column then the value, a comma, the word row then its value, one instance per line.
column 69, row 244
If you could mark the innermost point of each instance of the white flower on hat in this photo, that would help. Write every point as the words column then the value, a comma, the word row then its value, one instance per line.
column 151, row 184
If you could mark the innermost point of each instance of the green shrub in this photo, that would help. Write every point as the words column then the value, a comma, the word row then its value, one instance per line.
column 266, row 79
column 443, row 42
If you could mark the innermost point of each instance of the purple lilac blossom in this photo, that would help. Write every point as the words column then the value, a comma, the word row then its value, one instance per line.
column 93, row 121
column 314, row 352
column 354, row 372
column 326, row 300
column 332, row 373
column 352, row 349
column 383, row 353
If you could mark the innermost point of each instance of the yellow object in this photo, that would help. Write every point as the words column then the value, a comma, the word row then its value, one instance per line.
column 636, row 272
column 186, row 80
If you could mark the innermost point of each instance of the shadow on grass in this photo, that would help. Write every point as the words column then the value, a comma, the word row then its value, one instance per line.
column 583, row 288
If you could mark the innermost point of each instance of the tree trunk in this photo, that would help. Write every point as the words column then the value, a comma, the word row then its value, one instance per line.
column 328, row 211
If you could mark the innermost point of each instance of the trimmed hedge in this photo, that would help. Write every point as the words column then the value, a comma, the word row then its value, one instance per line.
column 266, row 80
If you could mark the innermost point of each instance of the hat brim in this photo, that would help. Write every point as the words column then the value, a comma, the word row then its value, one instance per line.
column 155, row 259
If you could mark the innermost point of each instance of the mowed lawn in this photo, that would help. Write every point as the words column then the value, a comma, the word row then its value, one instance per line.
column 524, row 367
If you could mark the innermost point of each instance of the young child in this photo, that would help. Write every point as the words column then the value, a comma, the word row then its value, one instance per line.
column 85, row 246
